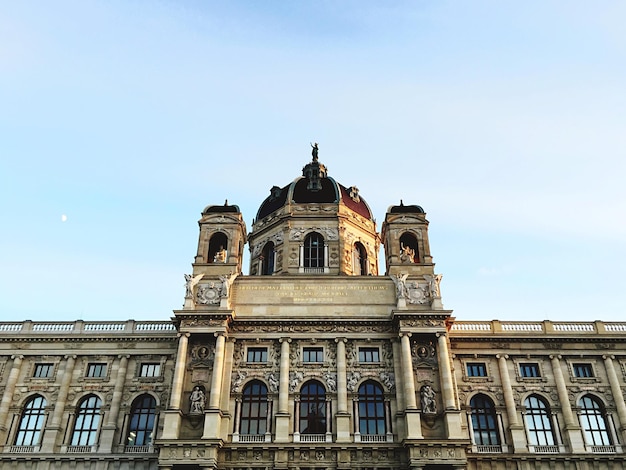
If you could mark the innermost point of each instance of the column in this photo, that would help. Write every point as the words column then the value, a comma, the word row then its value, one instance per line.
column 407, row 373
column 301, row 263
column 343, row 415
column 447, row 385
column 616, row 390
column 213, row 414
column 329, row 419
column 283, row 391
column 282, row 417
column 237, row 418
column 296, row 420
column 7, row 397
column 325, row 255
column 50, row 437
column 218, row 372
column 452, row 413
column 517, row 430
column 108, row 430
column 572, row 432
column 179, row 372
column 172, row 417
column 268, row 420
column 357, row 424
column 412, row 419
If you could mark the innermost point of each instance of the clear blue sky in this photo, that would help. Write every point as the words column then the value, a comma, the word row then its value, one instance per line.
column 506, row 121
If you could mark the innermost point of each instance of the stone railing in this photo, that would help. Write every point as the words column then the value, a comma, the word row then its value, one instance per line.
column 82, row 327
column 461, row 328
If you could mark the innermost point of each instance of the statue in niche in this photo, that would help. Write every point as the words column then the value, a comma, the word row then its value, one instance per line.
column 220, row 255
column 407, row 254
column 427, row 395
column 190, row 283
column 314, row 151
column 197, row 400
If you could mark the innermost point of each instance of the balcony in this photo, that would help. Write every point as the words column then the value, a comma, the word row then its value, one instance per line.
column 80, row 449
column 603, row 449
column 23, row 449
column 544, row 449
column 373, row 437
column 494, row 449
column 139, row 449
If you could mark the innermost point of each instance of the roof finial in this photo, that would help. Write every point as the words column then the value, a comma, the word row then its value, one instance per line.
column 225, row 202
column 401, row 203
column 314, row 151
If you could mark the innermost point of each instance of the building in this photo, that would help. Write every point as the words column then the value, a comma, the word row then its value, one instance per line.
column 318, row 359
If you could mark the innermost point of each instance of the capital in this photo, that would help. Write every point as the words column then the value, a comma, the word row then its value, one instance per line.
column 502, row 356
column 555, row 357
column 281, row 340
column 608, row 357
column 341, row 340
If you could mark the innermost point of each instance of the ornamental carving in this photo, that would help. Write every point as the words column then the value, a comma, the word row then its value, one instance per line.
column 237, row 380
column 317, row 327
column 353, row 380
column 389, row 380
column 331, row 381
column 295, row 379
column 272, row 381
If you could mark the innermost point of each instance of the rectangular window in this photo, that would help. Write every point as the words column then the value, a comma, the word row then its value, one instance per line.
column 257, row 355
column 43, row 371
column 529, row 370
column 583, row 370
column 313, row 355
column 96, row 370
column 150, row 370
column 369, row 355
column 476, row 369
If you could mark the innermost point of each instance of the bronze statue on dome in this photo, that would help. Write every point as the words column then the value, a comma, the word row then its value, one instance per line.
column 314, row 151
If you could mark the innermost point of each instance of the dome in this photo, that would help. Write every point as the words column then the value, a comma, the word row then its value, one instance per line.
column 221, row 209
column 314, row 187
column 402, row 209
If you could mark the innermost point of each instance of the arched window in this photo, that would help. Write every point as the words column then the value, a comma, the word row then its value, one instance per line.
column 593, row 422
column 87, row 421
column 142, row 415
column 314, row 251
column 218, row 246
column 254, row 408
column 267, row 262
column 312, row 408
column 484, row 421
column 31, row 422
column 538, row 423
column 409, row 252
column 371, row 409
column 359, row 259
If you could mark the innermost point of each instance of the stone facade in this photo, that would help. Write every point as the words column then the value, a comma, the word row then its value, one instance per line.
column 313, row 361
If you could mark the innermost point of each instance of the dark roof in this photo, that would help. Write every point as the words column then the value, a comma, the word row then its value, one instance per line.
column 402, row 209
column 220, row 209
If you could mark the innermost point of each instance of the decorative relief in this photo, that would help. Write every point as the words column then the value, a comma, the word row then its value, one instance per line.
column 295, row 379
column 331, row 381
column 298, row 233
column 237, row 379
column 272, row 381
column 389, row 380
column 423, row 353
column 203, row 322
column 352, row 380
column 417, row 292
column 316, row 327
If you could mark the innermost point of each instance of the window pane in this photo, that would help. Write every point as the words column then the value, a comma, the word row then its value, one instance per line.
column 142, row 416
column 371, row 409
column 253, row 409
column 484, row 421
column 87, row 421
column 31, row 422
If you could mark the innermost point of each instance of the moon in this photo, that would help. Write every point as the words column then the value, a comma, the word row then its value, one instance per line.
column 63, row 218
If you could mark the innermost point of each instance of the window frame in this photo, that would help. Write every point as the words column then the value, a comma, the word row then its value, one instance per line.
column 596, row 418
column 312, row 394
column 32, row 421
column 372, row 413
column 254, row 408
column 529, row 366
column 103, row 367
column 87, row 421
column 538, row 422
column 49, row 367
column 473, row 366
column 141, row 421
column 583, row 366
column 365, row 351
column 313, row 248
column 484, row 421
column 319, row 354
column 147, row 364
column 262, row 350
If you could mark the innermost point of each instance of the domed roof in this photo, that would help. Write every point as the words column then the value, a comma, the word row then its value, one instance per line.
column 220, row 209
column 314, row 187
column 402, row 209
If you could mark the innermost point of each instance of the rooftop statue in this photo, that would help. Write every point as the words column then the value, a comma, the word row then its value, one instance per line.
column 314, row 151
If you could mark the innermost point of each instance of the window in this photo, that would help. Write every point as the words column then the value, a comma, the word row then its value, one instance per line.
column 314, row 251
column 593, row 422
column 87, row 421
column 484, row 422
column 150, row 370
column 538, row 424
column 267, row 260
column 43, row 371
column 313, row 355
column 583, row 370
column 31, row 422
column 257, row 355
column 254, row 408
column 476, row 369
column 360, row 259
column 312, row 408
column 371, row 409
column 96, row 370
column 142, row 415
column 529, row 370
column 369, row 355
